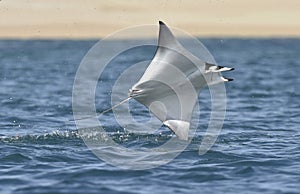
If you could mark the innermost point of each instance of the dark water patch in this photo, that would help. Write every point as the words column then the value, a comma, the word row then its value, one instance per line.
column 15, row 158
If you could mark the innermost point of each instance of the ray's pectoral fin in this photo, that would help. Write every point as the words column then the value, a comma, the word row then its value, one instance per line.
column 179, row 127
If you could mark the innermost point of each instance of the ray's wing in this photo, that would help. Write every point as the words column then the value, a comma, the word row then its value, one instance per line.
column 170, row 85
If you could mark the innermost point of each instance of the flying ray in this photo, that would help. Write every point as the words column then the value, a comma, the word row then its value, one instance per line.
column 170, row 85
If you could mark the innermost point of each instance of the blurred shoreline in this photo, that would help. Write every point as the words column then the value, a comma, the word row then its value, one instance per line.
column 94, row 19
column 80, row 33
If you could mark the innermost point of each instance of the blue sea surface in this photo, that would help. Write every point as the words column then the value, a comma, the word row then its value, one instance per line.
column 258, row 150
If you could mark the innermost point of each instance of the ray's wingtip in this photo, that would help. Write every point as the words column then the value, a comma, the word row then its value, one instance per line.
column 161, row 22
column 229, row 79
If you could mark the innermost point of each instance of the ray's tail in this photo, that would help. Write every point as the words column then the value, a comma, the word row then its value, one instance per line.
column 107, row 110
column 114, row 106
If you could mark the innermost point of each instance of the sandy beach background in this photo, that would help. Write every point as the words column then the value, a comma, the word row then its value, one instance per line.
column 98, row 18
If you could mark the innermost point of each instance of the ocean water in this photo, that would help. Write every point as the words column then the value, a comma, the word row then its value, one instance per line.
column 258, row 150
